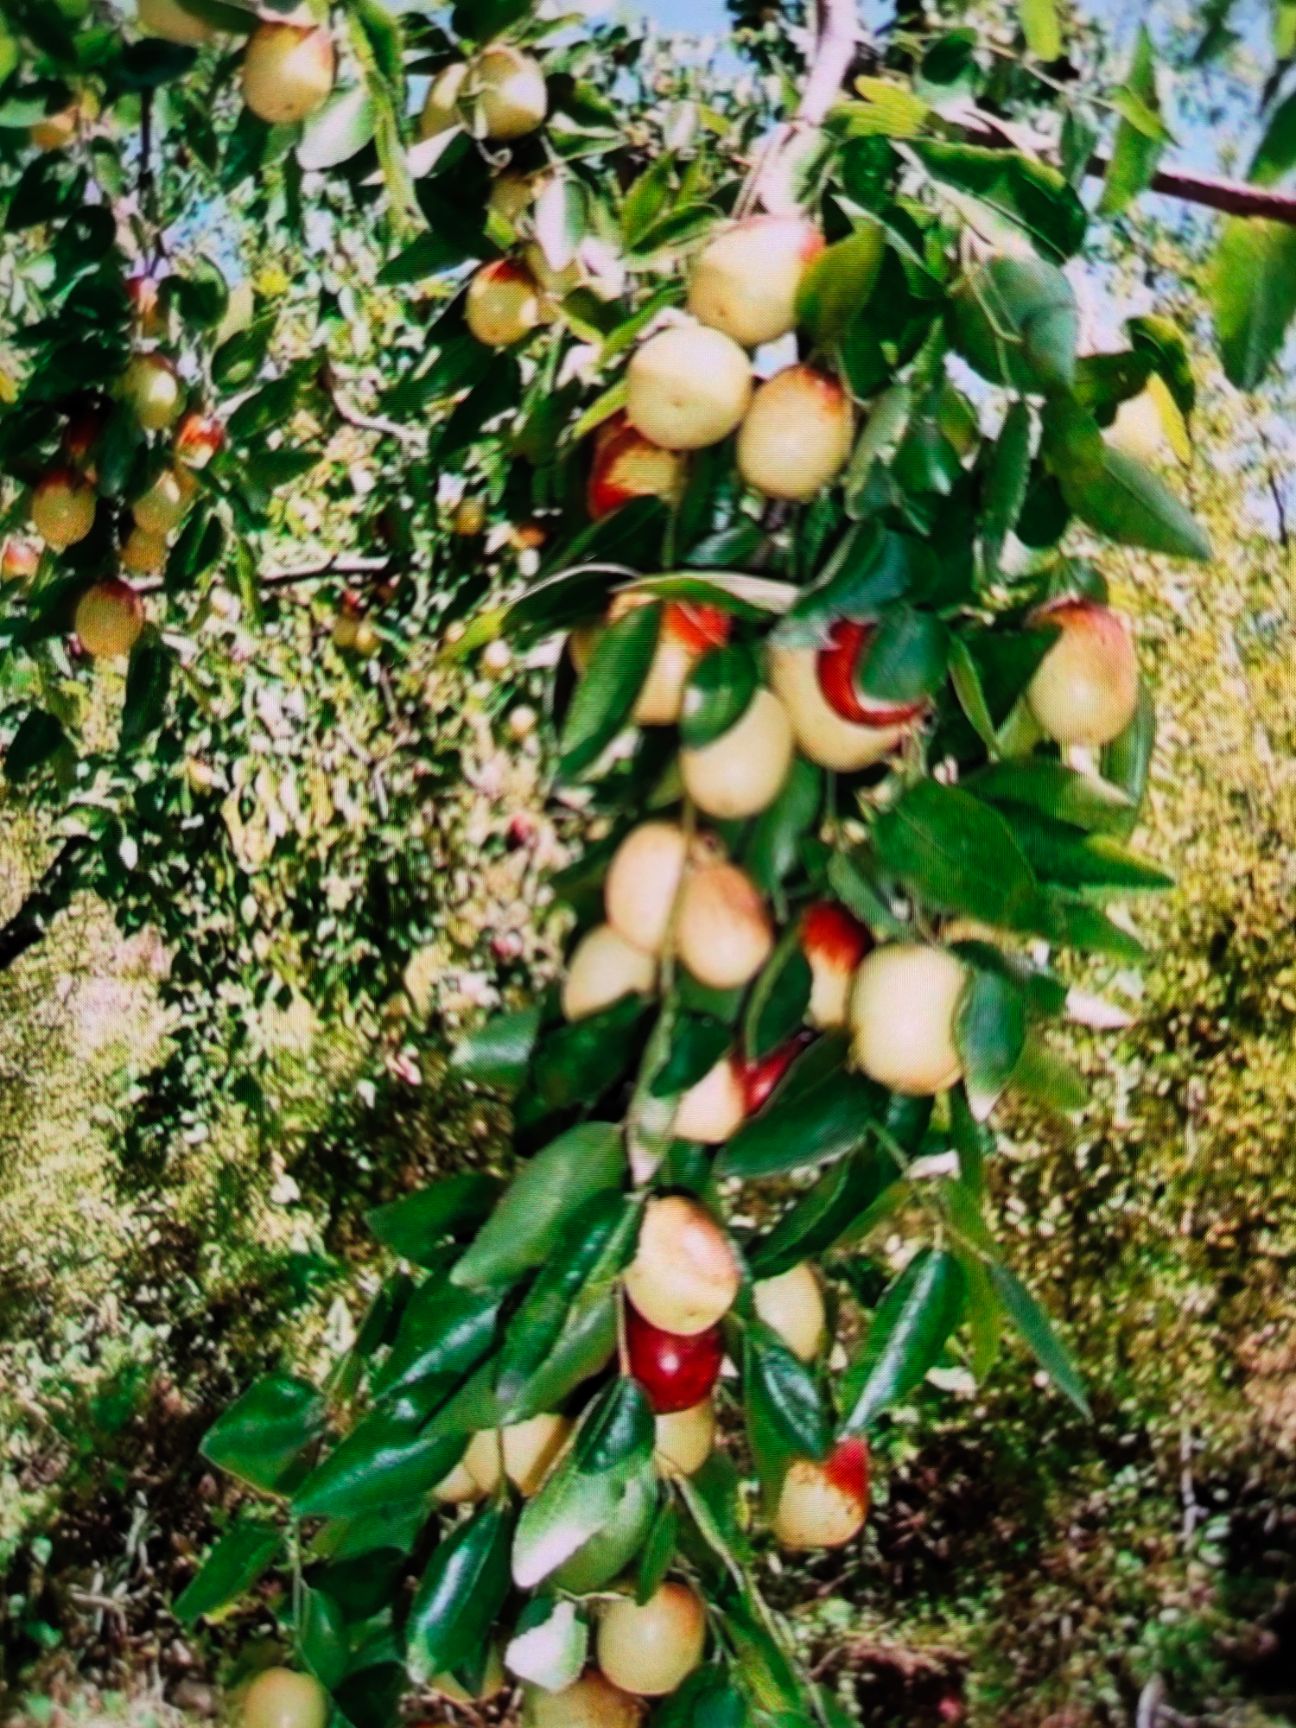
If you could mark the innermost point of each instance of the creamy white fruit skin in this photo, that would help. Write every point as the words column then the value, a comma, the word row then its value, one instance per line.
column 903, row 1009
column 688, row 387
column 792, row 1305
column 742, row 772
column 821, row 733
column 797, row 435
column 745, row 282
column 650, row 1648
column 603, row 968
column 684, row 1276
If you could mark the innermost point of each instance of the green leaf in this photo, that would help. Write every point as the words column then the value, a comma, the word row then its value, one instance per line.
column 989, row 1033
column 916, row 1315
column 499, row 1053
column 529, row 1221
column 815, row 1222
column 148, row 680
column 957, row 853
column 1140, row 136
column 1001, row 190
column 717, row 694
column 1036, row 1329
column 1066, row 794
column 773, row 847
column 549, row 1646
column 339, row 131
column 323, row 1640
column 1046, row 1077
column 778, row 1000
column 459, row 1595
column 1006, row 483
column 658, row 1552
column 386, row 1458
column 782, row 1395
column 965, row 676
column 443, row 1331
column 1058, row 854
column 1253, row 296
column 37, row 741
column 260, row 1437
column 839, row 283
column 1127, row 763
column 1016, row 322
column 611, row 1455
column 1112, row 492
column 238, row 1559
column 827, row 1120
column 1275, row 155
column 1043, row 33
column 907, row 658
column 606, row 694
column 417, row 1224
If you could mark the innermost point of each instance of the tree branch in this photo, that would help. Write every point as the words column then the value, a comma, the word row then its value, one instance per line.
column 51, row 894
column 288, row 578
column 1232, row 197
column 836, row 33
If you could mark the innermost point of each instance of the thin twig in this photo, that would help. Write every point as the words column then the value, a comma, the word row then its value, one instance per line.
column 350, row 567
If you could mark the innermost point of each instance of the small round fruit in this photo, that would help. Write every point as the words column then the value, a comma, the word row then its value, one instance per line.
column 152, row 387
column 469, row 519
column 723, row 931
column 838, row 666
column 643, row 880
column 714, row 1107
column 823, row 1505
column 198, row 438
column 797, row 435
column 142, row 553
column 745, row 283
column 288, row 72
column 512, row 195
column 627, row 465
column 173, row 22
column 606, row 1555
column 651, row 1649
column 685, row 1439
column 677, row 1370
column 477, row 1473
column 1086, row 689
column 834, row 943
column 902, row 1013
column 792, row 1305
column 441, row 110
column 19, row 560
column 686, row 632
column 162, row 508
column 590, row 1702
column 531, row 1449
column 603, row 969
column 820, row 732
column 684, row 1276
column 281, row 1698
column 511, row 93
column 760, row 1077
column 109, row 619
column 145, row 303
column 83, row 435
column 63, row 508
column 503, row 304
column 688, row 387
column 56, row 131
column 743, row 770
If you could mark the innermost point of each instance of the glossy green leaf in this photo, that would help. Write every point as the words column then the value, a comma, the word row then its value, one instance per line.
column 235, row 1563
column 459, row 1595
column 1016, row 321
column 608, row 690
column 1140, row 136
column 717, row 694
column 385, row 1459
column 1253, row 296
column 416, row 1225
column 498, row 1052
column 261, row 1436
column 529, row 1221
column 916, row 1315
column 839, row 283
column 1037, row 1331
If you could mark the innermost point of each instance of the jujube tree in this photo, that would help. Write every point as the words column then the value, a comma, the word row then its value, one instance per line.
column 822, row 478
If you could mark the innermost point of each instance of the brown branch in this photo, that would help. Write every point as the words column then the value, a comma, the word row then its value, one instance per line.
column 836, row 33
column 328, row 382
column 369, row 567
column 827, row 68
